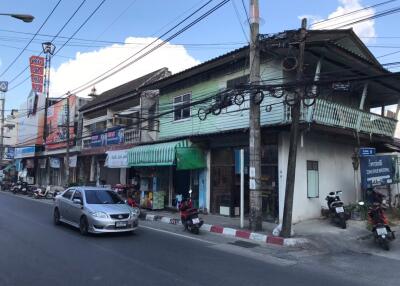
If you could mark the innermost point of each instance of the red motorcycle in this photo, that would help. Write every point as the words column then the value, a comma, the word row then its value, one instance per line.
column 190, row 216
column 380, row 225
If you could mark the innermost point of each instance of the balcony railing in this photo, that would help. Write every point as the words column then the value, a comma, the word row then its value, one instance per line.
column 132, row 136
column 339, row 115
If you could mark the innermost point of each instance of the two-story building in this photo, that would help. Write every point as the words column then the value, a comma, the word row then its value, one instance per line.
column 192, row 130
column 113, row 122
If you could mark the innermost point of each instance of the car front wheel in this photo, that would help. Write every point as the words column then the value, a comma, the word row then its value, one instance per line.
column 84, row 226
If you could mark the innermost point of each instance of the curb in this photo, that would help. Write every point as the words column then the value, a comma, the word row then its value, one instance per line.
column 231, row 231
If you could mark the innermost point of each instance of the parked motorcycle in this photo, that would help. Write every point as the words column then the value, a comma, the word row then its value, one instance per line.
column 190, row 216
column 43, row 193
column 21, row 188
column 336, row 209
column 380, row 225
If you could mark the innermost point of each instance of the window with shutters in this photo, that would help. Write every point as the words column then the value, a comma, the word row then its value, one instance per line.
column 312, row 179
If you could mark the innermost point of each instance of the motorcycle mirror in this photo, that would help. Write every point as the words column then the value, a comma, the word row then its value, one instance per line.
column 361, row 203
column 339, row 192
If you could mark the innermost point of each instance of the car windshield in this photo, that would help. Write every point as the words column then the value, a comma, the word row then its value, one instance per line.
column 96, row 197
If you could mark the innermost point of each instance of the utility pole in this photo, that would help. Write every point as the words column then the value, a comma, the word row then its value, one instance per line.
column 294, row 136
column 67, row 149
column 48, row 50
column 255, row 219
column 2, row 98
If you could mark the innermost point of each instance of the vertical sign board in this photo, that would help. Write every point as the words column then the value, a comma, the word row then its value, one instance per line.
column 36, row 65
column 376, row 171
column 57, row 124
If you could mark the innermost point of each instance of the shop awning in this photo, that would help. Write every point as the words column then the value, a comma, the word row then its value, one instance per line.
column 179, row 153
column 8, row 167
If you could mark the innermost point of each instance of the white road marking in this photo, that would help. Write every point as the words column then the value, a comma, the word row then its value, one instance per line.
column 175, row 234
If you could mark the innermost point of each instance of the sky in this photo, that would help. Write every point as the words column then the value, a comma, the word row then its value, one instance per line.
column 120, row 28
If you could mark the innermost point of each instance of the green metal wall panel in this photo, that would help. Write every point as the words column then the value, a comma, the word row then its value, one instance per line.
column 231, row 118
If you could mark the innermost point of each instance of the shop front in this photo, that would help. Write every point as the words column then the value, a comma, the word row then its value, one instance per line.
column 225, row 175
column 167, row 171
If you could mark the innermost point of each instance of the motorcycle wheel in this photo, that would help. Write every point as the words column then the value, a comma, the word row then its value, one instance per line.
column 195, row 230
column 343, row 223
column 385, row 244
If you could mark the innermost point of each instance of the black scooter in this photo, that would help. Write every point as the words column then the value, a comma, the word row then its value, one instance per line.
column 336, row 209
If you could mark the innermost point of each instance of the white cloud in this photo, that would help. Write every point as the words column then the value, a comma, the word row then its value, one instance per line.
column 88, row 65
column 362, row 29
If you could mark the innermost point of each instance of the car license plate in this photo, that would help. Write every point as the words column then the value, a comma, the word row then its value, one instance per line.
column 339, row 210
column 381, row 231
column 121, row 224
column 196, row 220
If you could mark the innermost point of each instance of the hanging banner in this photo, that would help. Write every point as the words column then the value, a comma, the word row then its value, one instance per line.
column 111, row 137
column 57, row 124
column 42, row 163
column 117, row 159
column 115, row 136
column 55, row 163
column 72, row 161
column 36, row 65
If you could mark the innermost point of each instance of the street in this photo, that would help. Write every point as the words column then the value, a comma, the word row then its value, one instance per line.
column 35, row 252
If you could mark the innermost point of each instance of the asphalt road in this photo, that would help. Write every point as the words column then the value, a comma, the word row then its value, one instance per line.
column 33, row 251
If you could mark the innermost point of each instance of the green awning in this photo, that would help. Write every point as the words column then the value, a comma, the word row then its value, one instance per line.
column 162, row 154
column 179, row 153
column 8, row 167
column 189, row 158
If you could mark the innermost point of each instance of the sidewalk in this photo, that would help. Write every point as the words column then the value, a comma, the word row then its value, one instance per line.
column 227, row 226
column 318, row 233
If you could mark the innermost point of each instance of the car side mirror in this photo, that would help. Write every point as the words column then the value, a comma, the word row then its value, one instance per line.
column 77, row 201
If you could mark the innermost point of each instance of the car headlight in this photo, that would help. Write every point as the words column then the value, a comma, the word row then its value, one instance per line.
column 99, row 214
column 135, row 212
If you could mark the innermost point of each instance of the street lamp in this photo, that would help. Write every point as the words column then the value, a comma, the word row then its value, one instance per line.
column 48, row 48
column 23, row 17
column 27, row 19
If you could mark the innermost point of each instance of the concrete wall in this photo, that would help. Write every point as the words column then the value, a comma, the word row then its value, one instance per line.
column 335, row 173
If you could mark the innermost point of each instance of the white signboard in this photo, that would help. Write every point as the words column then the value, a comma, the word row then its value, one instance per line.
column 117, row 159
column 72, row 161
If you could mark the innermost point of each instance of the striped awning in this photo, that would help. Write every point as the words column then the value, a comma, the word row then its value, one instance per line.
column 162, row 154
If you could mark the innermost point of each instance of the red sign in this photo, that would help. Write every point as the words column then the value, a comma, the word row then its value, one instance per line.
column 57, row 124
column 36, row 65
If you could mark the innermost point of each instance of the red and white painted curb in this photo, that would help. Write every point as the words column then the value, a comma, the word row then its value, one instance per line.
column 244, row 234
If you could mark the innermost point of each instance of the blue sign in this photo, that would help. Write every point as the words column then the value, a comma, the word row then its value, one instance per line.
column 367, row 151
column 98, row 140
column 24, row 152
column 376, row 171
column 109, row 138
column 10, row 153
column 115, row 136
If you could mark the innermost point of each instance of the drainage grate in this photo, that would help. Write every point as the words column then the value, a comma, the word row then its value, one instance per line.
column 244, row 244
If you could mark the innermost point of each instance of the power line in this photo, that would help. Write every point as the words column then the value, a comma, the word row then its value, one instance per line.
column 30, row 41
column 111, row 72
column 352, row 12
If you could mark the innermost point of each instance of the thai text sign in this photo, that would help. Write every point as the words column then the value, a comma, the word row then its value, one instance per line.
column 376, row 171
column 36, row 65
column 111, row 137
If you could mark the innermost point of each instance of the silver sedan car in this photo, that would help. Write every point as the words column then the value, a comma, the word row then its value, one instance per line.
column 94, row 210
